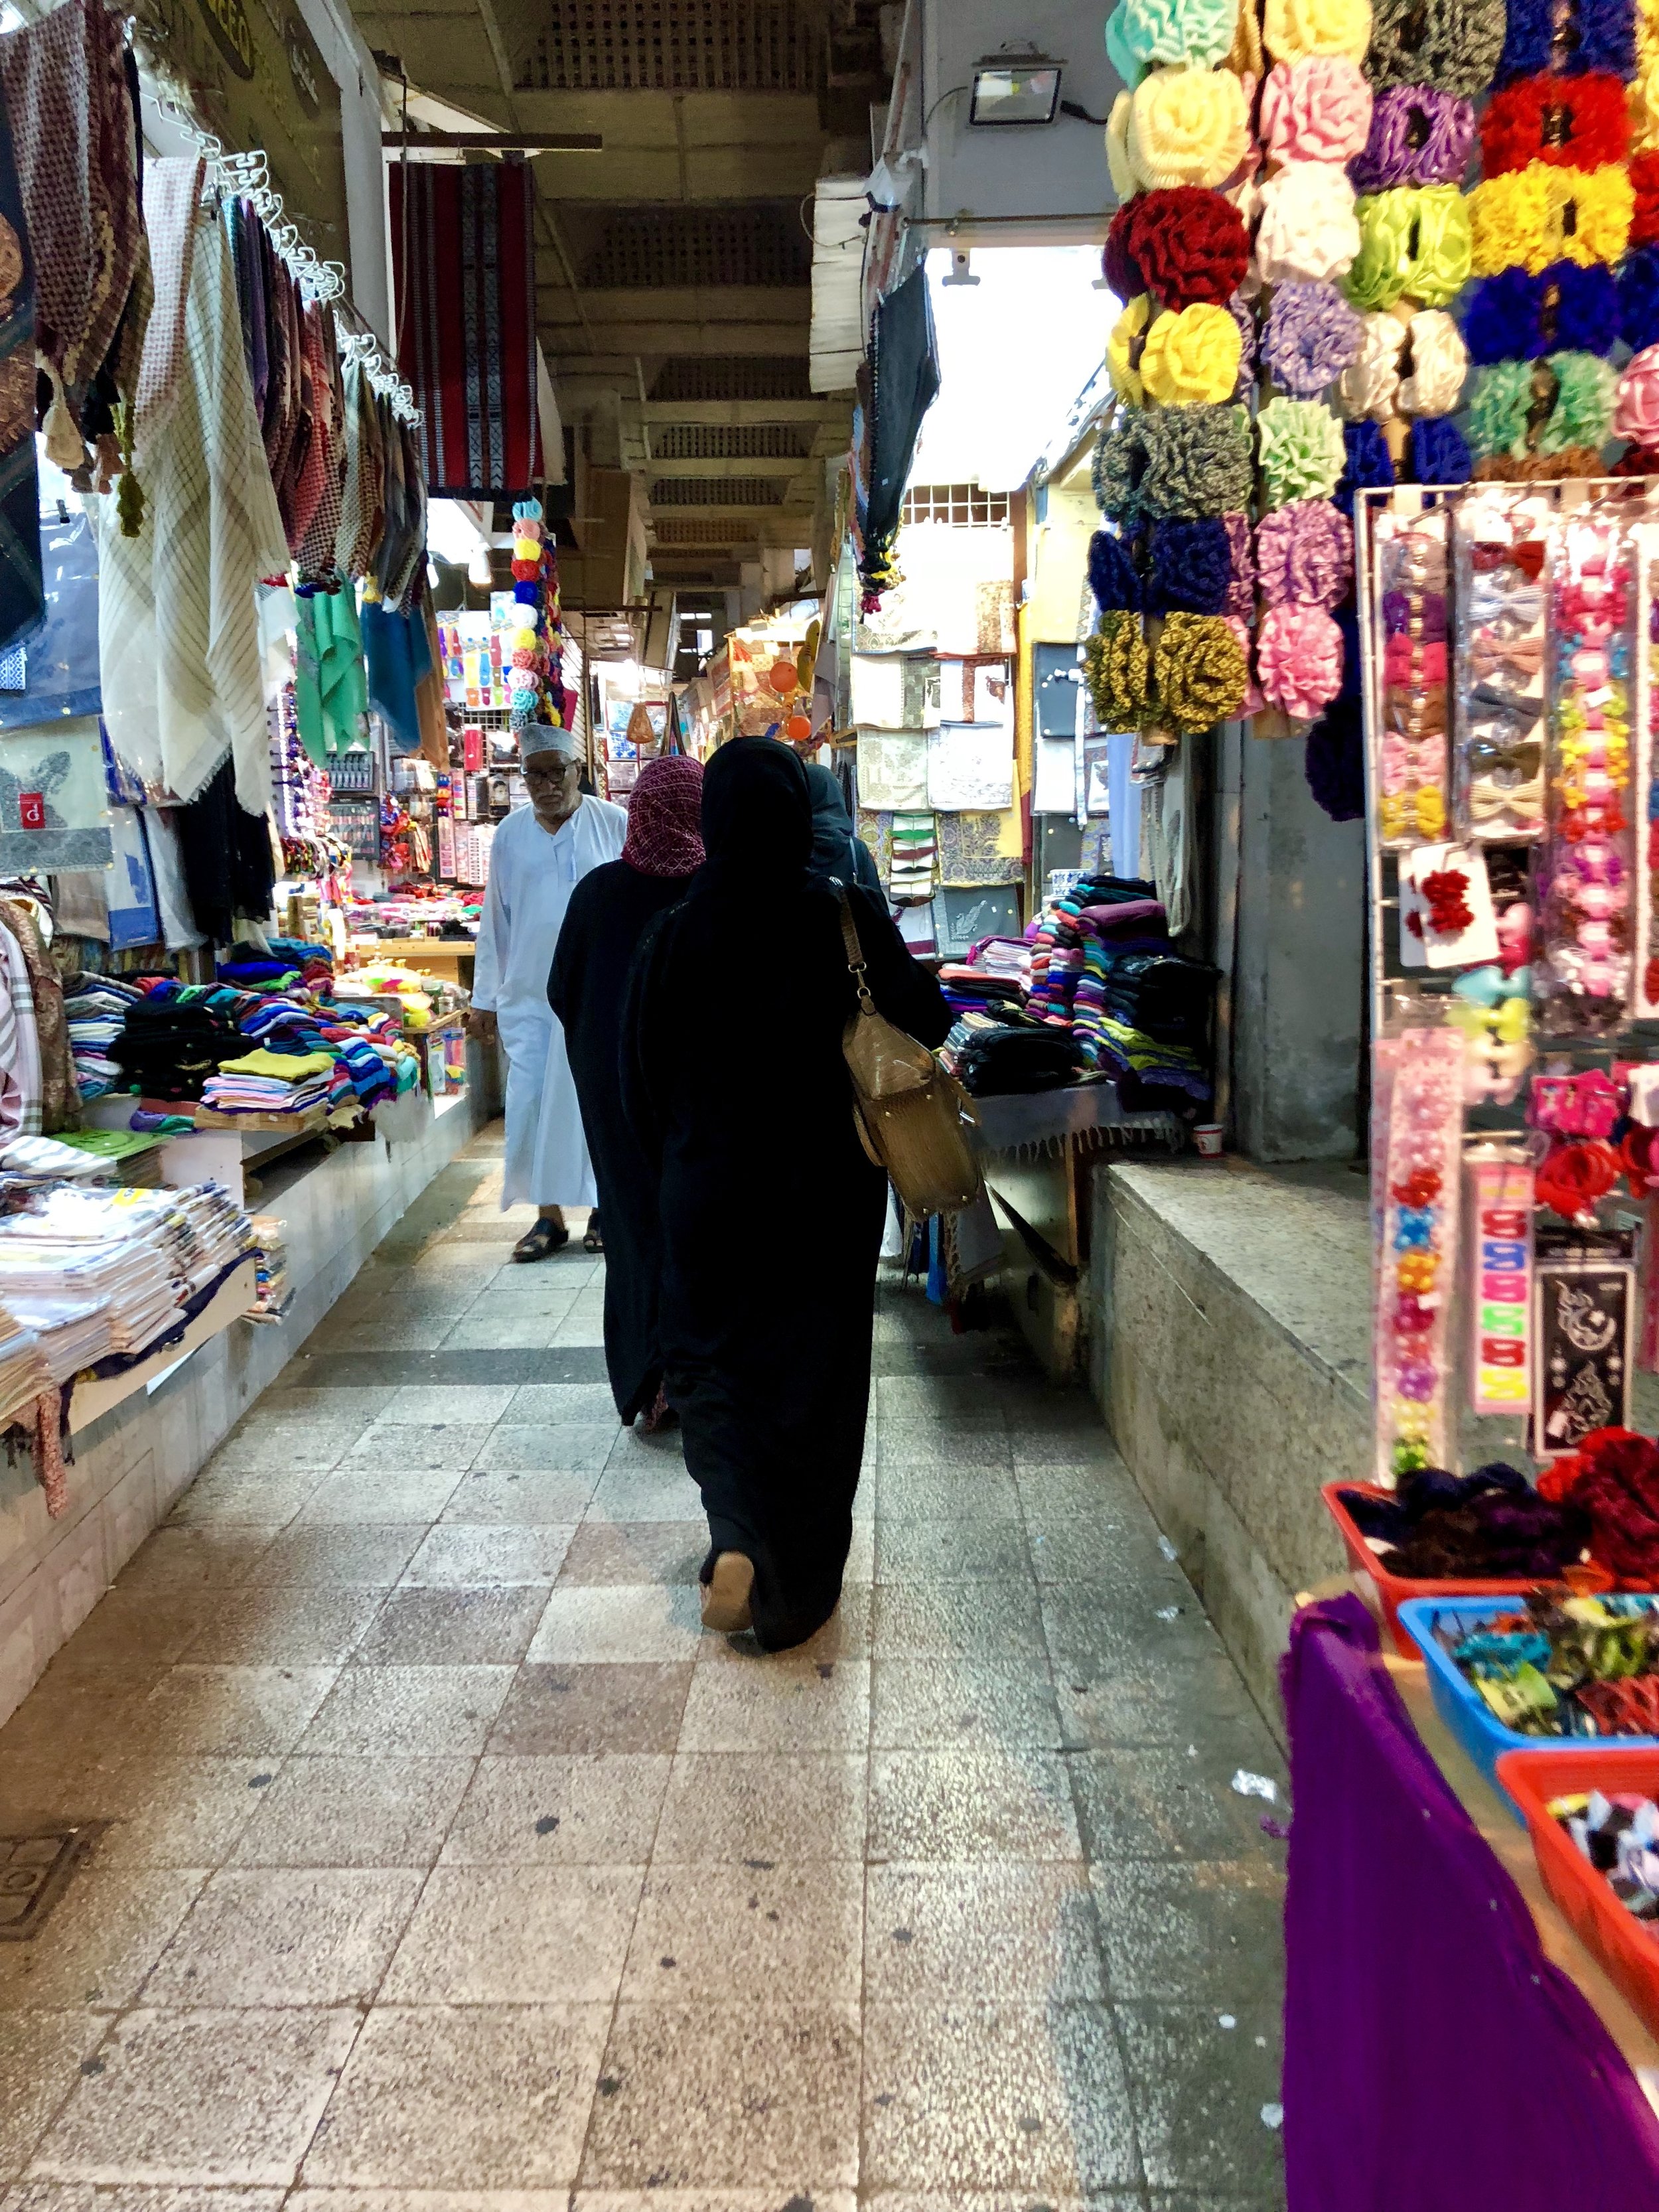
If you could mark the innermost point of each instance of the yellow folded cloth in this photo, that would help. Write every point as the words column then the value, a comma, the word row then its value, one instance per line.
column 286, row 1066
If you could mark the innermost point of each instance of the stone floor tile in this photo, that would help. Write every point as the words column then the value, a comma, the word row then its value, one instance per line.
column 294, row 1402
column 539, row 1447
column 972, row 1621
column 606, row 1553
column 457, row 1555
column 1149, row 1701
column 230, row 1713
column 965, row 1449
column 524, row 1497
column 548, row 1811
column 779, row 1704
column 390, row 1491
column 588, row 1625
column 521, row 1332
column 448, row 1627
column 109, row 1928
column 420, row 1711
column 267, row 1443
column 1165, row 1802
column 938, row 1704
column 860, row 1566
column 341, row 1554
column 845, row 1635
column 953, row 1550
column 727, row 2096
column 1037, row 1450
column 41, row 2054
column 177, row 1559
column 420, row 1404
column 555, row 1404
column 199, row 2097
column 1206, row 1932
column 911, row 1489
column 94, row 1710
column 173, row 1812
column 278, row 1624
column 811, row 2199
column 353, row 1812
column 468, row 2097
column 745, row 1934
column 654, row 1490
column 626, row 1707
column 761, row 1806
column 1007, row 1802
column 517, row 1934
column 958, row 1399
column 230, row 1497
column 1096, row 1628
column 136, row 1628
column 286, row 1936
column 977, row 2199
column 1026, row 2097
column 1099, row 1543
column 934, row 1935
column 1199, row 2090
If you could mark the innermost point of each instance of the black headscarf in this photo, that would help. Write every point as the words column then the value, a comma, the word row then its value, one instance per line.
column 836, row 851
column 756, row 818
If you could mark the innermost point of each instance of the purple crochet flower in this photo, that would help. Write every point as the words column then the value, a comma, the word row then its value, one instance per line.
column 1312, row 335
column 1304, row 552
column 1241, row 593
column 1418, row 137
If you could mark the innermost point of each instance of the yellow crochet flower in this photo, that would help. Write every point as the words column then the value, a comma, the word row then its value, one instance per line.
column 1291, row 29
column 1186, row 127
column 1120, row 346
column 1191, row 358
column 1125, row 183
column 1541, row 214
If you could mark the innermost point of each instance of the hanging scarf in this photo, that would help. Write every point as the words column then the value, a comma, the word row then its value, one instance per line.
column 328, row 445
column 22, row 594
column 175, row 193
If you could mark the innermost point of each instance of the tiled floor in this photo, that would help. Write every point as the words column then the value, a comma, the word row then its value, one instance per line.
column 446, row 1855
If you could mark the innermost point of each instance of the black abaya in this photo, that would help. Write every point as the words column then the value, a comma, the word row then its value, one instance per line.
column 733, row 1077
column 609, row 911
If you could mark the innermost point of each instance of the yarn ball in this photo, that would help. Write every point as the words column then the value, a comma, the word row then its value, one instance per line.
column 1312, row 335
column 1123, row 350
column 1450, row 45
column 1644, row 212
column 1638, row 298
column 1637, row 414
column 524, row 571
column 1417, row 137
column 1440, row 362
column 1603, row 32
column 1191, row 357
column 1189, row 246
column 1438, row 452
column 1575, row 122
column 1198, row 672
column 1292, row 29
column 527, row 594
column 1241, row 556
column 1301, row 451
column 1153, row 31
column 1304, row 552
column 1369, row 384
column 1115, row 668
column 1335, row 760
column 1309, row 227
column 1179, row 126
column 1367, row 463
column 1191, row 567
column 1315, row 110
column 1298, row 660
column 1112, row 575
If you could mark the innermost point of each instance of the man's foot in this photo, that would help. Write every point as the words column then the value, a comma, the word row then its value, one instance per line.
column 546, row 1236
column 593, row 1236
column 726, row 1594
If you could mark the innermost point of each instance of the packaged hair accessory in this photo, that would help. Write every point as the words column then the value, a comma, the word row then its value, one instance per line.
column 1644, row 540
column 1498, row 547
column 1498, row 1197
column 1418, row 1254
column 1413, row 765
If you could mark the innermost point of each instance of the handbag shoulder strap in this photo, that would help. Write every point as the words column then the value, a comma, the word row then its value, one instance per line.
column 855, row 951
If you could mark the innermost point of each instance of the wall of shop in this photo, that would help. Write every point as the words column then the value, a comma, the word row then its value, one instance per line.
column 352, row 65
column 130, row 1467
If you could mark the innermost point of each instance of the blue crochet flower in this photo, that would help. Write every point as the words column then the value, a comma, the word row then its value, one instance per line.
column 1638, row 301
column 1369, row 464
column 1112, row 577
column 1191, row 567
column 1501, row 322
column 1438, row 453
column 1586, row 308
column 1602, row 33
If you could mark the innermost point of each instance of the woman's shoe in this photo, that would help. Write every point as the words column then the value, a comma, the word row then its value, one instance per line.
column 726, row 1593
column 593, row 1236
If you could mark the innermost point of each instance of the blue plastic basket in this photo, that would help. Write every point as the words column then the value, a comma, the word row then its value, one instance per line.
column 1460, row 1706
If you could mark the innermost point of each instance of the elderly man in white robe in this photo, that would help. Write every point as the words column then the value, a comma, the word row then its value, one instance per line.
column 539, row 855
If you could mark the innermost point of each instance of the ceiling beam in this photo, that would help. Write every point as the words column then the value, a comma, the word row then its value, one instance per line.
column 740, row 414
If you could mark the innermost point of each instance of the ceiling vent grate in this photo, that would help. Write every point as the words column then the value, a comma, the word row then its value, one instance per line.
column 683, row 530
column 677, row 45
column 646, row 248
column 740, row 442
column 716, row 491
column 733, row 376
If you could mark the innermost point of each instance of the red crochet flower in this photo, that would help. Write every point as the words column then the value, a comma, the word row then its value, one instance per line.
column 1117, row 263
column 1445, row 893
column 1618, row 1486
column 1573, row 122
column 1645, row 181
column 1189, row 246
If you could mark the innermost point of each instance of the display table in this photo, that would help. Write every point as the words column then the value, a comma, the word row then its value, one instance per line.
column 1450, row 2044
column 450, row 958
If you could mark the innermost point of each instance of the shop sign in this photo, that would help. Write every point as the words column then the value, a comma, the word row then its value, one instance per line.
column 54, row 802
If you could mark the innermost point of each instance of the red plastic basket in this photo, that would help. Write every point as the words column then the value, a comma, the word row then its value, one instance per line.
column 1394, row 1590
column 1624, row 1946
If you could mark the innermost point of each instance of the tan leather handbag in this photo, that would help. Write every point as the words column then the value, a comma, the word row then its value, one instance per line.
column 912, row 1115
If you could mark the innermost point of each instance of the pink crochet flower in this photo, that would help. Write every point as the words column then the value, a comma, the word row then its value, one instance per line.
column 1315, row 110
column 1298, row 660
column 1636, row 416
column 1253, row 702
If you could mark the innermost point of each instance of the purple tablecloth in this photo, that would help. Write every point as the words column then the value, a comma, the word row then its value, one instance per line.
column 1434, row 2060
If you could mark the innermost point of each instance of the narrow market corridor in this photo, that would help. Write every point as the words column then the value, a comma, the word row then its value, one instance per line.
column 444, row 1853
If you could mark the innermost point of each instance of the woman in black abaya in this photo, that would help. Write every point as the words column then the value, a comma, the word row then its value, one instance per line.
column 734, row 1081
column 609, row 912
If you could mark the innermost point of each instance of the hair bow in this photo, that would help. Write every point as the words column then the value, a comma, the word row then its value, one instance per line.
column 1518, row 804
column 1488, row 652
column 1490, row 601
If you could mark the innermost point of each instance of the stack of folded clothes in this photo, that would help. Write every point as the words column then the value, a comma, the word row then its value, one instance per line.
column 96, row 1007
column 271, row 1083
column 167, row 1049
column 996, row 1059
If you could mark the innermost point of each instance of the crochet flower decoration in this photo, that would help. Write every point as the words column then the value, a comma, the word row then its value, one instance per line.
column 1368, row 464
column 1179, row 126
column 1635, row 415
column 1606, row 38
column 1199, row 674
column 1291, row 29
column 1515, row 317
column 1298, row 660
column 1452, row 45
column 1368, row 386
column 1241, row 589
column 1417, row 137
column 1113, row 577
column 1304, row 552
column 1147, row 32
column 1185, row 245
column 1301, row 451
column 1438, row 452
column 1123, row 351
column 1177, row 461
column 1440, row 362
column 1582, row 389
column 1309, row 227
column 1415, row 240
column 1245, row 315
column 1573, row 122
column 1316, row 110
column 1312, row 335
column 1644, row 187
column 1191, row 358
column 1115, row 667
column 1190, row 569
column 1638, row 299
column 1541, row 214
column 1117, row 263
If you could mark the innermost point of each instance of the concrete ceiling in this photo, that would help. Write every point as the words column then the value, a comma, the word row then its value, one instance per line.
column 674, row 268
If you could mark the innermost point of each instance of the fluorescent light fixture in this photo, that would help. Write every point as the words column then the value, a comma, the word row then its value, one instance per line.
column 1015, row 88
